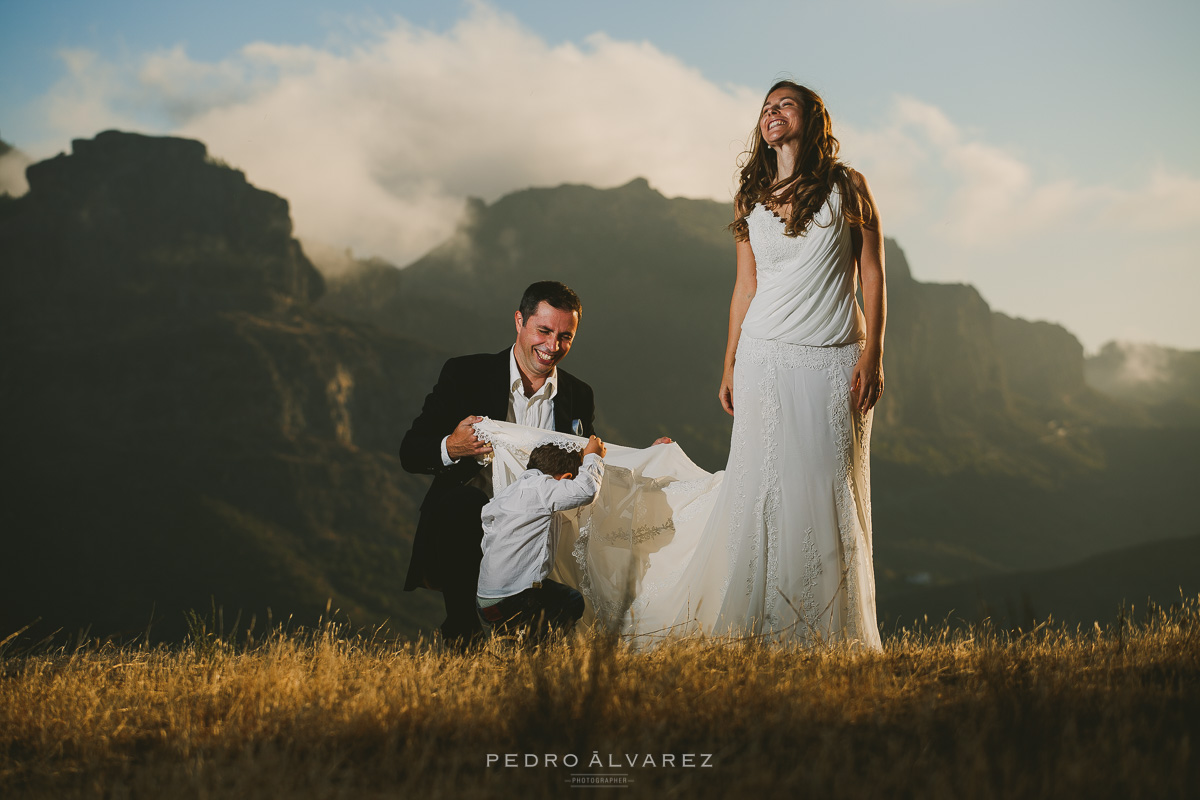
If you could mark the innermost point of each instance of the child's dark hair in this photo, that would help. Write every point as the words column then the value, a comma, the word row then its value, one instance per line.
column 554, row 460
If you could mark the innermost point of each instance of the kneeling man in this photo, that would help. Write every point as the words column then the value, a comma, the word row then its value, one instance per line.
column 520, row 384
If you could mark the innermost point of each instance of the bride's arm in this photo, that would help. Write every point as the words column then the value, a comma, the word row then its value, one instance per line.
column 744, row 288
column 867, row 382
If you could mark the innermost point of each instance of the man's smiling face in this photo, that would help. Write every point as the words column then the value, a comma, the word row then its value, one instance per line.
column 543, row 340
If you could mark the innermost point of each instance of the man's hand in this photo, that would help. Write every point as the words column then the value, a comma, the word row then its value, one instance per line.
column 596, row 446
column 462, row 442
column 662, row 440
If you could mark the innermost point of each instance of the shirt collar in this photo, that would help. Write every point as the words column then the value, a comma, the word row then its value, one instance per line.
column 515, row 384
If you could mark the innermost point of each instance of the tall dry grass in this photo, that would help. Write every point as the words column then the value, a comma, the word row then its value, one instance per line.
column 1050, row 713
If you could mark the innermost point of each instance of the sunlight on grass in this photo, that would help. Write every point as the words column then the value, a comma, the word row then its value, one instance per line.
column 332, row 713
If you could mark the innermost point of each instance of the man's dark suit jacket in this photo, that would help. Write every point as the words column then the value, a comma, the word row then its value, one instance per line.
column 446, row 550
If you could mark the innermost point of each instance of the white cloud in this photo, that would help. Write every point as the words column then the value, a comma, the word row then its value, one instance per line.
column 183, row 88
column 12, row 173
column 377, row 143
column 972, row 192
column 89, row 98
column 377, row 146
column 1168, row 201
column 976, row 194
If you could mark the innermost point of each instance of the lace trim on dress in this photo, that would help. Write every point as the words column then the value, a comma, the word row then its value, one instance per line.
column 834, row 192
column 566, row 441
column 640, row 534
column 580, row 553
column 770, row 251
column 864, row 443
column 770, row 494
column 843, row 492
column 811, row 580
column 790, row 356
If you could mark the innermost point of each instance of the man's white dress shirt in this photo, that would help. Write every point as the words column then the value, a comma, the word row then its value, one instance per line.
column 521, row 526
column 536, row 411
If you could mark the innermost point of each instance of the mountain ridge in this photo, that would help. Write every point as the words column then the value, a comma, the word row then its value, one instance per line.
column 1081, row 593
column 488, row 246
column 987, row 420
column 197, row 416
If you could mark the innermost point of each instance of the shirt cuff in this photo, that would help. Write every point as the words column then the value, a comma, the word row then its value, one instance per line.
column 447, row 461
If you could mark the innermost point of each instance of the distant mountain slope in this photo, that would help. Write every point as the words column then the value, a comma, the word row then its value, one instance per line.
column 182, row 425
column 991, row 452
column 655, row 275
column 1162, row 381
column 642, row 265
column 1092, row 590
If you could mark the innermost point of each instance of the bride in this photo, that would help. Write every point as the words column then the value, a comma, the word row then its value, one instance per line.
column 779, row 544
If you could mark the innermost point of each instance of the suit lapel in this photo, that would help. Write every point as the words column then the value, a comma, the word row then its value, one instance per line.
column 563, row 406
column 498, row 388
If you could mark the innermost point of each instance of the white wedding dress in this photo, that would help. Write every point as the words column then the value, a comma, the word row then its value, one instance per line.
column 777, row 545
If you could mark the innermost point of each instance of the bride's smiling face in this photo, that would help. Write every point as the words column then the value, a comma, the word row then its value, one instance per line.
column 781, row 117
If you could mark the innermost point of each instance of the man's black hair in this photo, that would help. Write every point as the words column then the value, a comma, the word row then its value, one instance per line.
column 558, row 295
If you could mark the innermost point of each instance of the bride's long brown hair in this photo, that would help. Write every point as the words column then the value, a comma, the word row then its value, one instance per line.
column 806, row 189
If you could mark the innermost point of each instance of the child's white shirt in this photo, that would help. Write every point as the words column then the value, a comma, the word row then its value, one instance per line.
column 520, row 527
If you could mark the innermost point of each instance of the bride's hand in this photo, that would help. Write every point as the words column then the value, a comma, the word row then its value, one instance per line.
column 866, row 384
column 725, row 393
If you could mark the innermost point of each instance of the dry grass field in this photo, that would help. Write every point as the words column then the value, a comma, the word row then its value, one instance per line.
column 327, row 713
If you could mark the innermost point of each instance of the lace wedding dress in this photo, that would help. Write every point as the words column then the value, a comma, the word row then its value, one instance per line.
column 778, row 544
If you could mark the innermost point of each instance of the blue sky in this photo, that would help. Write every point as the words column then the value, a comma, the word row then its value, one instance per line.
column 1042, row 151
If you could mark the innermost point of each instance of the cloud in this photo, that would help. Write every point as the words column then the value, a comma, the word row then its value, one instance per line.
column 977, row 194
column 1140, row 363
column 972, row 192
column 1168, row 201
column 377, row 146
column 91, row 96
column 378, row 141
column 184, row 89
column 12, row 173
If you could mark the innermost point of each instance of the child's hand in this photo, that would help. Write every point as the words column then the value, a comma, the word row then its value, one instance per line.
column 594, row 445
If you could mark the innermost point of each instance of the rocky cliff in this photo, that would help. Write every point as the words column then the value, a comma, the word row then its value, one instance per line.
column 129, row 219
column 184, row 427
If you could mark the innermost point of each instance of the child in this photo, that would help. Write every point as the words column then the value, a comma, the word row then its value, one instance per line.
column 520, row 539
